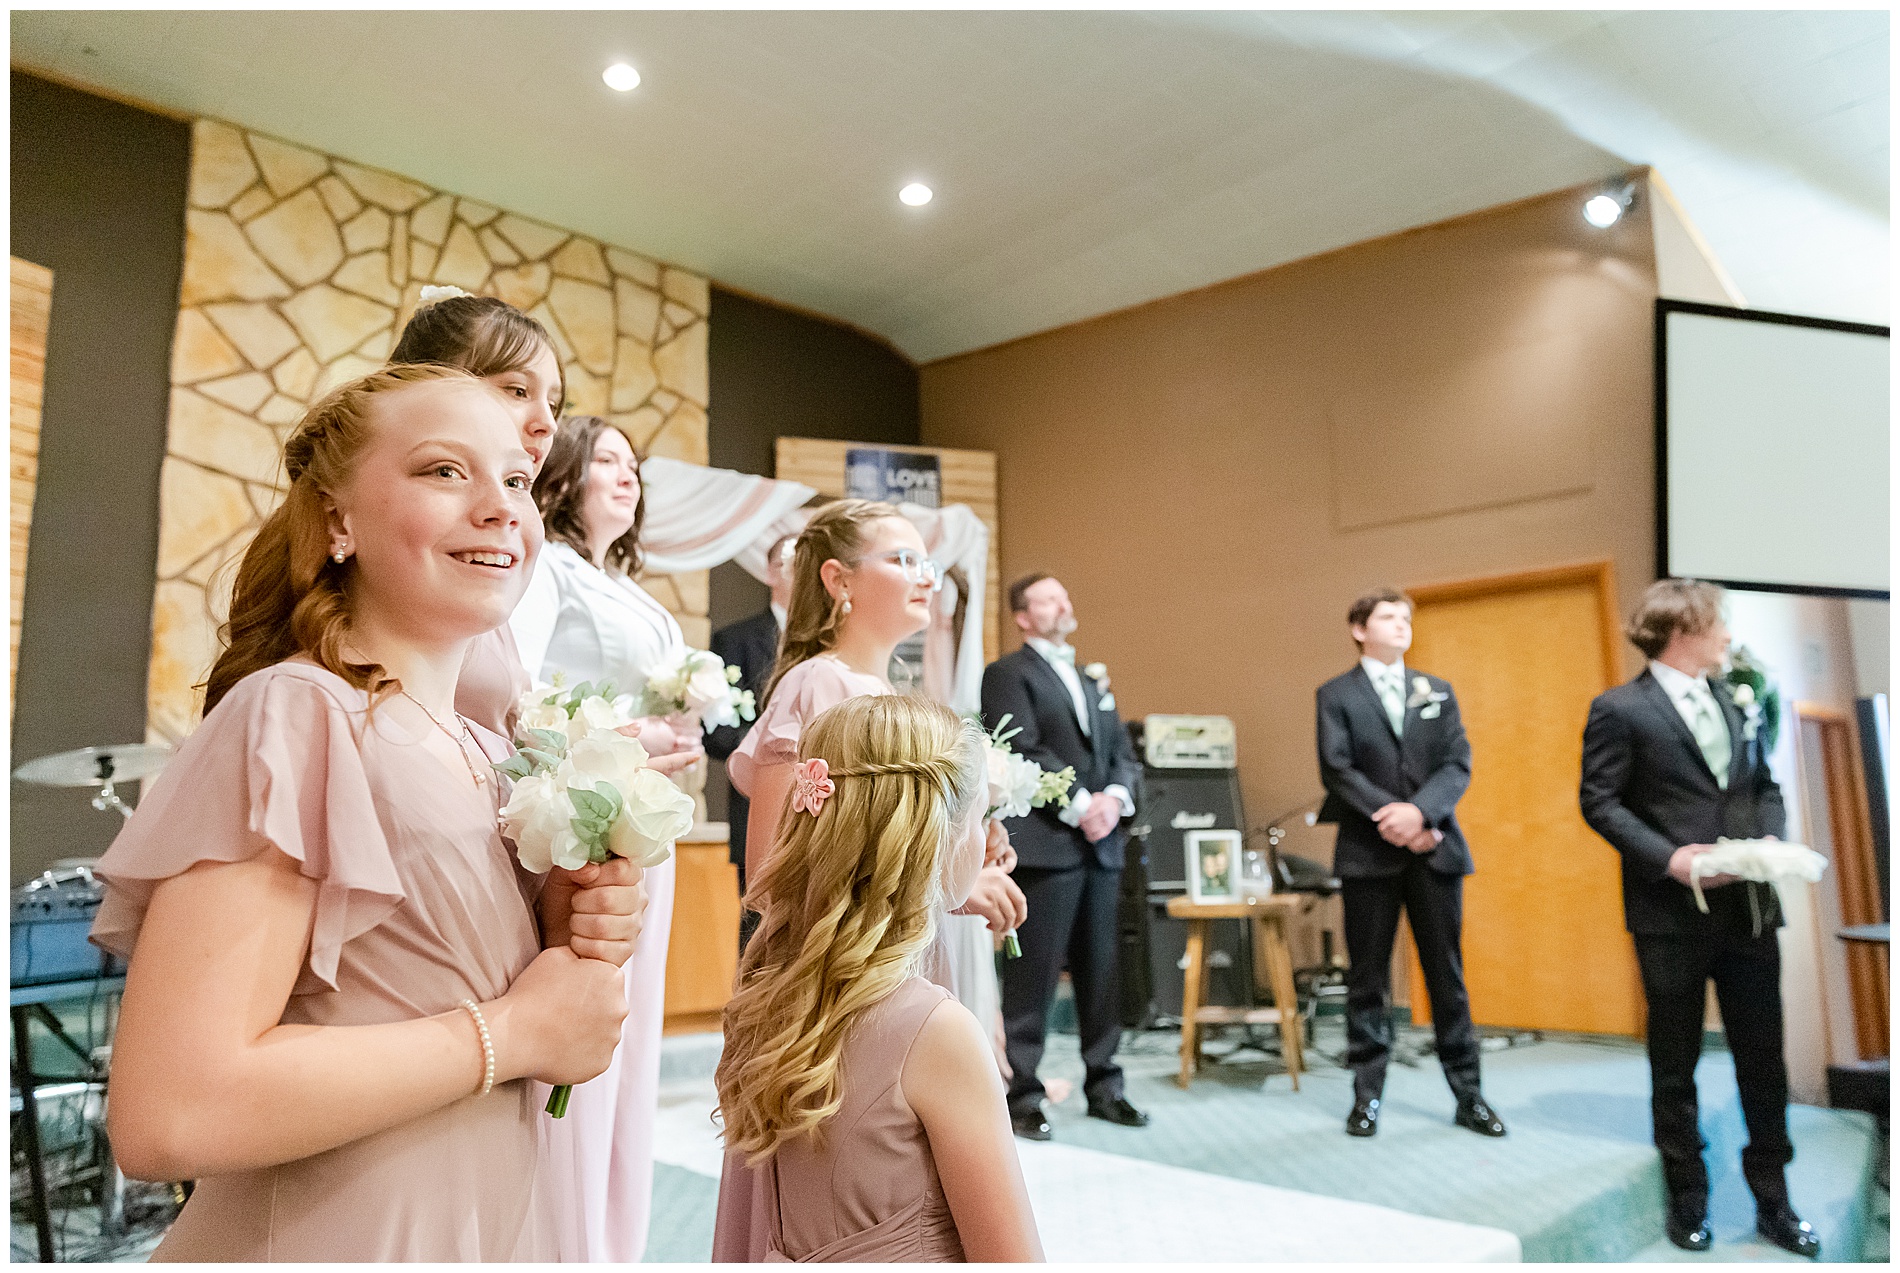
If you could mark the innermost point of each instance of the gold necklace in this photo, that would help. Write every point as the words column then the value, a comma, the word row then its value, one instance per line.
column 459, row 748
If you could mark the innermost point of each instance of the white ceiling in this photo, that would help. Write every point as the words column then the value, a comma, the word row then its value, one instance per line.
column 1083, row 161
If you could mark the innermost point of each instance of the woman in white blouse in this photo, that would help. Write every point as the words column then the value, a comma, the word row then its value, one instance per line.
column 584, row 616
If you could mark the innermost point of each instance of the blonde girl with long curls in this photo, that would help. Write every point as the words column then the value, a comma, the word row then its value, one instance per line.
column 337, row 990
column 864, row 1117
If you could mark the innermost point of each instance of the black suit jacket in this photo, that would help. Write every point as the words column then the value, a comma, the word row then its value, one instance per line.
column 751, row 645
column 1365, row 766
column 1647, row 790
column 1025, row 688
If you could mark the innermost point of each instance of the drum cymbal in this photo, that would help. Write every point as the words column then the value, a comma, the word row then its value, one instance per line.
column 95, row 766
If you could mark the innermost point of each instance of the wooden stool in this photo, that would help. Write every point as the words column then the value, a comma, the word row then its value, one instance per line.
column 1273, row 966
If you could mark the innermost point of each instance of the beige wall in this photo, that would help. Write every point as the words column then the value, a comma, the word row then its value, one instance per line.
column 1215, row 476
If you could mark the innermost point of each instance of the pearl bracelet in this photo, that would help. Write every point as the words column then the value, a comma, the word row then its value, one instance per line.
column 488, row 1045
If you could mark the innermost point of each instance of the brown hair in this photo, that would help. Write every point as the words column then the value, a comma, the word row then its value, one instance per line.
column 811, row 620
column 560, row 492
column 849, row 898
column 482, row 335
column 1670, row 606
column 289, row 597
column 1019, row 591
column 1362, row 609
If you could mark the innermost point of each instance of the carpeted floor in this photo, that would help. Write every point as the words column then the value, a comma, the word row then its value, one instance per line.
column 1577, row 1178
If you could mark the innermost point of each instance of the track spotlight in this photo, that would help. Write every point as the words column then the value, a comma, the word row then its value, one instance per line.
column 1606, row 209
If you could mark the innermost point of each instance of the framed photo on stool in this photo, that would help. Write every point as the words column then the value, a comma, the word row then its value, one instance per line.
column 1213, row 865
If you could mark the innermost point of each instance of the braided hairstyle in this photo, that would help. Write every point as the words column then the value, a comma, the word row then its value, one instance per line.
column 838, row 531
column 849, row 900
column 289, row 597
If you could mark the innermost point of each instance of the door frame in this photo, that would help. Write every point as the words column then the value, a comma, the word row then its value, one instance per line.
column 1601, row 575
column 1857, row 883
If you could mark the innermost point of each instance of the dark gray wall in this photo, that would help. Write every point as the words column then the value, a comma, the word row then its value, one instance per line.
column 98, row 197
column 779, row 373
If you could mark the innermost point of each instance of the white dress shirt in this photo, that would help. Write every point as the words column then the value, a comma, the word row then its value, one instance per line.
column 1079, row 700
column 1379, row 672
column 1691, row 694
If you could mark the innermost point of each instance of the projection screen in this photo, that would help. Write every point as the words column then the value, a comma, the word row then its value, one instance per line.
column 1771, row 450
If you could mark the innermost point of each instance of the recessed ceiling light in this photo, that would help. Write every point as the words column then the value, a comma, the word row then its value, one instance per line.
column 621, row 78
column 1603, row 212
column 916, row 194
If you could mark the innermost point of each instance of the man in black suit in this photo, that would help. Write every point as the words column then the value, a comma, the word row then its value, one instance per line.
column 1395, row 762
column 1672, row 763
column 1069, row 861
column 751, row 645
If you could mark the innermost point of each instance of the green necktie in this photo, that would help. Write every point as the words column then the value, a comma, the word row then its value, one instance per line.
column 1392, row 692
column 1711, row 735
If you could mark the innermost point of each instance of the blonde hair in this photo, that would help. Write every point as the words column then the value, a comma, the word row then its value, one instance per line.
column 849, row 900
column 289, row 597
column 838, row 530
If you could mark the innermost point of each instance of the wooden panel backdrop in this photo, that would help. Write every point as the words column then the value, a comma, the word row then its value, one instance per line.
column 969, row 477
column 32, row 312
column 1544, row 942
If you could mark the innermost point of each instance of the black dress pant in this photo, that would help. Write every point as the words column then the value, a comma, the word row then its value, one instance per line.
column 1434, row 903
column 1072, row 921
column 1747, row 972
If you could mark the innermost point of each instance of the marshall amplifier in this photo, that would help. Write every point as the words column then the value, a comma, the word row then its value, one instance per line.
column 1175, row 801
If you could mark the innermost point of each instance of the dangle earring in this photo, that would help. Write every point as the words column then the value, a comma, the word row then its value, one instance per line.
column 339, row 556
column 846, row 607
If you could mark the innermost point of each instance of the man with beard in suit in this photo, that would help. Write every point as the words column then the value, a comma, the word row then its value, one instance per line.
column 751, row 645
column 1069, row 861
column 1395, row 762
column 1672, row 763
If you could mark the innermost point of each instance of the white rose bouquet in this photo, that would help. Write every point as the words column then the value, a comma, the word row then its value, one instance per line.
column 583, row 792
column 697, row 683
column 1017, row 785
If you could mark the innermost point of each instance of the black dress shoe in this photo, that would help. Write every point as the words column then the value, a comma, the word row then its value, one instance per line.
column 1478, row 1117
column 1781, row 1226
column 1364, row 1119
column 1118, row 1110
column 1688, row 1230
column 1029, row 1124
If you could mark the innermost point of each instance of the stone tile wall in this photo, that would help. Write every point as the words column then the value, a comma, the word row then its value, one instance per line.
column 300, row 269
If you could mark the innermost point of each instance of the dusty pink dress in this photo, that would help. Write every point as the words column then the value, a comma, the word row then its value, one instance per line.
column 866, row 1191
column 820, row 682
column 492, row 682
column 419, row 905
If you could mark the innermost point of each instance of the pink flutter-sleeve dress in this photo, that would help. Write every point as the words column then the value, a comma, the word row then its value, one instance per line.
column 814, row 686
column 419, row 905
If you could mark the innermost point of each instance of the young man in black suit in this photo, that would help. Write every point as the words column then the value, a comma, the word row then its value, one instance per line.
column 751, row 645
column 1395, row 762
column 1671, row 763
column 1069, row 861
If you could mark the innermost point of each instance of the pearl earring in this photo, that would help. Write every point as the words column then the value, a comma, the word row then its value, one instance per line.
column 847, row 605
column 339, row 556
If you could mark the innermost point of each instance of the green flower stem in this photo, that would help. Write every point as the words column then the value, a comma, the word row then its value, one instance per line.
column 557, row 1100
column 1012, row 949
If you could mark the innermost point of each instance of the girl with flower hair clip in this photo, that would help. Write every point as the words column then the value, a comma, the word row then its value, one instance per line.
column 864, row 1116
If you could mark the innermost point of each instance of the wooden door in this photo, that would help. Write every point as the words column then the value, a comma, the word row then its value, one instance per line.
column 1544, row 942
column 32, row 312
column 1834, row 796
column 702, row 952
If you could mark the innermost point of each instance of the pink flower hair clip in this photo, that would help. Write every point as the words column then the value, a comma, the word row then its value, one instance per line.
column 814, row 786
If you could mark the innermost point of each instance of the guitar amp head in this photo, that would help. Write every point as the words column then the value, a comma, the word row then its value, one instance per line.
column 1188, row 742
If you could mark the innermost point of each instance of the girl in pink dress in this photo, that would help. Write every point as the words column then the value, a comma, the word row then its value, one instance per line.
column 864, row 1118
column 337, row 993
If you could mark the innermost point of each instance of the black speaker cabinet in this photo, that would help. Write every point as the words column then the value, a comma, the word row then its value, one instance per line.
column 1229, row 953
column 1175, row 801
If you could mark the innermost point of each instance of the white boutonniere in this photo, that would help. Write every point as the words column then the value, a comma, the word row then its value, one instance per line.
column 1097, row 672
column 1424, row 696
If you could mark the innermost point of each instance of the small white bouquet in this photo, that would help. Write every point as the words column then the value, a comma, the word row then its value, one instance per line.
column 697, row 683
column 1017, row 785
column 583, row 792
